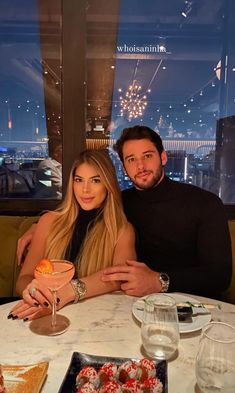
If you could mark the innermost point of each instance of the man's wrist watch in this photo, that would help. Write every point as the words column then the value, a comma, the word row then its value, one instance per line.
column 165, row 281
column 79, row 288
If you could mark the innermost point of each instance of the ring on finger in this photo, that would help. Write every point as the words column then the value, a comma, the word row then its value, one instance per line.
column 32, row 291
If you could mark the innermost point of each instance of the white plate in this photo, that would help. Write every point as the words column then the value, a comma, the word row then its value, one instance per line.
column 198, row 321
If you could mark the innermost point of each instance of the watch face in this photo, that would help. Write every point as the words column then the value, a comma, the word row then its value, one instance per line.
column 165, row 281
column 164, row 277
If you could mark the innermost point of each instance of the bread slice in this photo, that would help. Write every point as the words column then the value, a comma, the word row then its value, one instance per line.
column 24, row 378
column 2, row 389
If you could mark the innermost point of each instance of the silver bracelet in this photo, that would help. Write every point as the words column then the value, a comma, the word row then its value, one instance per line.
column 79, row 288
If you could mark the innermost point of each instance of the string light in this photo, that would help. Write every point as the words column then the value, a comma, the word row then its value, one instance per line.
column 187, row 8
column 134, row 103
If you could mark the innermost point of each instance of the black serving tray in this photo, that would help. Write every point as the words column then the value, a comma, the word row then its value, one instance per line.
column 79, row 360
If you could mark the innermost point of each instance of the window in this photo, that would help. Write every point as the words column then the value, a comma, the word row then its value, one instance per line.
column 175, row 58
column 30, row 100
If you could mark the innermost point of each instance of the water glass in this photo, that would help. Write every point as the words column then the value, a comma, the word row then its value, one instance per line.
column 215, row 361
column 160, row 327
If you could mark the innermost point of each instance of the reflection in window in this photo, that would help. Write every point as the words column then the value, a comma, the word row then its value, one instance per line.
column 49, row 172
column 30, row 93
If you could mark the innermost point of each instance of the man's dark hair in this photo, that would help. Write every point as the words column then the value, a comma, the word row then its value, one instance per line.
column 53, row 145
column 138, row 132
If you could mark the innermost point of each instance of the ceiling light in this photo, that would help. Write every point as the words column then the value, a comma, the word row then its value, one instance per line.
column 133, row 103
column 162, row 48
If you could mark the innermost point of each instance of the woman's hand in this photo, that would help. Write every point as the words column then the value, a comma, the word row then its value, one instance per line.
column 37, row 294
column 25, row 311
column 37, row 301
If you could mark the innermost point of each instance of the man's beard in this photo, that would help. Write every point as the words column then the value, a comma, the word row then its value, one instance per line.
column 150, row 184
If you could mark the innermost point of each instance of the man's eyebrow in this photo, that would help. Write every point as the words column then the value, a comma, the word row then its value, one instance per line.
column 149, row 151
column 143, row 152
column 130, row 155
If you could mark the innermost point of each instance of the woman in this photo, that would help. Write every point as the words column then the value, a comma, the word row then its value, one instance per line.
column 89, row 228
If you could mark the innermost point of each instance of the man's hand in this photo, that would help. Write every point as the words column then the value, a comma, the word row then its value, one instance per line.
column 136, row 278
column 24, row 243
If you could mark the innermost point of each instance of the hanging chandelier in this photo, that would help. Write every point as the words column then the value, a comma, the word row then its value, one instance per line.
column 133, row 103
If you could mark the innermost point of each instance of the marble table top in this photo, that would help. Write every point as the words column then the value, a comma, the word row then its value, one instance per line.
column 103, row 325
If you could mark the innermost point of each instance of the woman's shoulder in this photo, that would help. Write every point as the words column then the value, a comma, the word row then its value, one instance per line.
column 47, row 218
column 126, row 230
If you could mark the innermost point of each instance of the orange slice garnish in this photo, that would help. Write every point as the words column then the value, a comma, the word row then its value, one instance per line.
column 45, row 266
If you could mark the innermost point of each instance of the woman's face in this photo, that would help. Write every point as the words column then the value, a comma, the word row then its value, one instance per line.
column 88, row 188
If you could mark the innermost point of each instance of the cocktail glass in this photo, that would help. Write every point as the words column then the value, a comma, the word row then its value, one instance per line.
column 63, row 272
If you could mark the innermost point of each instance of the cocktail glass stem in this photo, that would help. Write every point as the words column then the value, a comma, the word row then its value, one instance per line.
column 54, row 302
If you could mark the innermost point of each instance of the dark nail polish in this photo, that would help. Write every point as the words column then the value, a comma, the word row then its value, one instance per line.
column 25, row 319
column 15, row 317
column 10, row 316
column 46, row 304
column 36, row 304
column 58, row 300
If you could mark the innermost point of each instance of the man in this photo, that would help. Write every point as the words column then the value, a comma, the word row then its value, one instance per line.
column 49, row 172
column 182, row 232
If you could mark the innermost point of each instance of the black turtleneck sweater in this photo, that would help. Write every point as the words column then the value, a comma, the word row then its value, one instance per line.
column 182, row 230
column 82, row 225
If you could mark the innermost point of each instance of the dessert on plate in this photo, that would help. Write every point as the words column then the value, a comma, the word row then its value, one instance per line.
column 87, row 374
column 129, row 377
column 152, row 385
column 131, row 386
column 110, row 387
column 147, row 369
column 88, row 387
column 127, row 370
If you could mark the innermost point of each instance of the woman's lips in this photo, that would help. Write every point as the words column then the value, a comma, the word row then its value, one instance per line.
column 87, row 200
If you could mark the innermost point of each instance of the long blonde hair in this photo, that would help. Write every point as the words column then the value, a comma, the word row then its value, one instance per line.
column 99, row 244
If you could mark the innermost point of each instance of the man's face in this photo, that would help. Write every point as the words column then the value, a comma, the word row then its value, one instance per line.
column 143, row 163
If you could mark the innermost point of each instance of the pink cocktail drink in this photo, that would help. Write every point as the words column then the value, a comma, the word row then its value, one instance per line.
column 63, row 272
column 54, row 274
